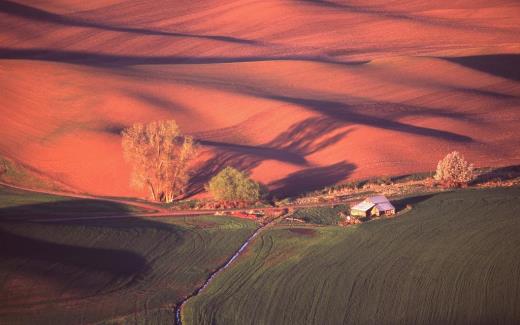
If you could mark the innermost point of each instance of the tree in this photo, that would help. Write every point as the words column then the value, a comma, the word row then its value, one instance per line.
column 233, row 185
column 454, row 170
column 160, row 157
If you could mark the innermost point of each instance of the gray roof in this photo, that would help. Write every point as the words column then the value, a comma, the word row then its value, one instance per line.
column 377, row 199
column 385, row 206
column 363, row 206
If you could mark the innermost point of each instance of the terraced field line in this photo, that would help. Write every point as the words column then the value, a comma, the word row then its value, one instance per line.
column 178, row 308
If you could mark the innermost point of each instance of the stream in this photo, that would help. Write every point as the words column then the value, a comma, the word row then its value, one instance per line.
column 178, row 308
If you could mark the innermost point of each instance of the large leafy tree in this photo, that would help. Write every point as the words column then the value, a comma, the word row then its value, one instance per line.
column 233, row 185
column 160, row 157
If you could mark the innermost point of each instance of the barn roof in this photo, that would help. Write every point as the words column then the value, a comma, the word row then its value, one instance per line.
column 363, row 206
column 385, row 206
column 377, row 199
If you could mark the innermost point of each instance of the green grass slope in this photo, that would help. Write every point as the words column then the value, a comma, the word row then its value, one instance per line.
column 127, row 270
column 18, row 204
column 321, row 215
column 453, row 259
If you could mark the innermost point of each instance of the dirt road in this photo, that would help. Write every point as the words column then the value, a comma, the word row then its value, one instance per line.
column 153, row 210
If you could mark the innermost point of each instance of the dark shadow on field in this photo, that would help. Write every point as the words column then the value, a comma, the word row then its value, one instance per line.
column 311, row 179
column 114, row 129
column 84, row 257
column 292, row 146
column 498, row 174
column 500, row 65
column 42, row 254
column 259, row 151
column 347, row 113
column 40, row 15
column 159, row 102
column 65, row 209
column 486, row 93
column 410, row 177
column 114, row 60
column 388, row 14
column 351, row 110
column 400, row 204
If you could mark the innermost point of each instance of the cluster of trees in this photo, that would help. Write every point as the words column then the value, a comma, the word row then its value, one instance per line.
column 453, row 170
column 161, row 158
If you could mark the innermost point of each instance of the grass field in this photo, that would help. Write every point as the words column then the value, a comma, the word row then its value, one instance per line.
column 453, row 259
column 321, row 215
column 20, row 205
column 128, row 270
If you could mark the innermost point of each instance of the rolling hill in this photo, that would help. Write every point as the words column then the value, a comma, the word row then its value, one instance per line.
column 301, row 93
column 56, row 269
column 452, row 259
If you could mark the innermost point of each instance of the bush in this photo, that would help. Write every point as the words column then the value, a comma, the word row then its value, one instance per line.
column 233, row 185
column 454, row 170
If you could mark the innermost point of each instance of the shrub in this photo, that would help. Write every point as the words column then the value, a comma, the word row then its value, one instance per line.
column 454, row 170
column 233, row 185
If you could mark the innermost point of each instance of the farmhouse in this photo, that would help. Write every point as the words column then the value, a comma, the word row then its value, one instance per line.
column 377, row 205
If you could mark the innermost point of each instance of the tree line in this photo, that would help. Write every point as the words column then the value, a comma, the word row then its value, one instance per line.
column 161, row 158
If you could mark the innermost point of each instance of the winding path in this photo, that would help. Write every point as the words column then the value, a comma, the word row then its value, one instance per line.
column 178, row 307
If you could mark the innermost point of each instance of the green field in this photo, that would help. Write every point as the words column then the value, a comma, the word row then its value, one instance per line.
column 128, row 270
column 20, row 205
column 453, row 259
column 321, row 215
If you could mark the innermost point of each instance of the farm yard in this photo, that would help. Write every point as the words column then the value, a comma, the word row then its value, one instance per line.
column 452, row 259
column 126, row 270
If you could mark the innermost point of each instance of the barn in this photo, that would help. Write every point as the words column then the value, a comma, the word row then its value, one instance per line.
column 377, row 205
column 382, row 206
column 361, row 209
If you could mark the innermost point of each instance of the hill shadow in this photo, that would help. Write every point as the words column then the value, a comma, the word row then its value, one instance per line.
column 264, row 152
column 381, row 13
column 400, row 204
column 162, row 103
column 500, row 65
column 498, row 174
column 346, row 113
column 65, row 209
column 311, row 179
column 42, row 253
column 36, row 14
column 301, row 139
column 377, row 114
column 37, row 249
column 115, row 60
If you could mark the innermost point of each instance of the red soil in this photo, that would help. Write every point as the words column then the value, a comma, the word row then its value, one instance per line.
column 302, row 94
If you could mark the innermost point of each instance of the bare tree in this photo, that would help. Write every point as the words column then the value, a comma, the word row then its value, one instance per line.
column 160, row 157
column 454, row 170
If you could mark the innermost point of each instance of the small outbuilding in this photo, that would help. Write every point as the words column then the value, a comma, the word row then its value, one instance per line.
column 377, row 205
